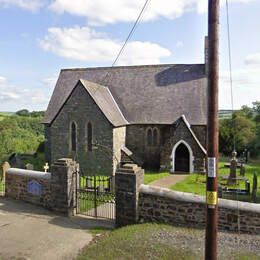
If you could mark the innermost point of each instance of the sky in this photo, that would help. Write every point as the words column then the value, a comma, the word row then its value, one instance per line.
column 38, row 38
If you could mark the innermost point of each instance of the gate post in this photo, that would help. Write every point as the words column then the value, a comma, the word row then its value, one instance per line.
column 128, row 179
column 64, row 182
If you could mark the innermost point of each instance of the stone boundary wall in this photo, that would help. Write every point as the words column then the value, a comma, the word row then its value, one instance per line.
column 55, row 190
column 17, row 181
column 172, row 207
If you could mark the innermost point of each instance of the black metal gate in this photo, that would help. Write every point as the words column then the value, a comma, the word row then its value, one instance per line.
column 96, row 197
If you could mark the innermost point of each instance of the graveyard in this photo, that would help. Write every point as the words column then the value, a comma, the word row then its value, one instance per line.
column 196, row 183
column 129, row 130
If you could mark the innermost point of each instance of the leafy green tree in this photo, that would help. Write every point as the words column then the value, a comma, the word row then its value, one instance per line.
column 37, row 113
column 256, row 109
column 20, row 134
column 246, row 111
column 240, row 129
column 23, row 112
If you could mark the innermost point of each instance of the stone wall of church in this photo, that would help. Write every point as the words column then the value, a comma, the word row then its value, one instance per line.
column 119, row 135
column 174, row 134
column 201, row 133
column 81, row 109
column 47, row 145
column 136, row 141
column 160, row 155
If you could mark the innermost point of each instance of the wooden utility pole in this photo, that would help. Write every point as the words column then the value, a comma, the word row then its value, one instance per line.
column 212, row 132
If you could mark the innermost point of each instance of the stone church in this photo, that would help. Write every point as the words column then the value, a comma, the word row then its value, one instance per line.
column 153, row 115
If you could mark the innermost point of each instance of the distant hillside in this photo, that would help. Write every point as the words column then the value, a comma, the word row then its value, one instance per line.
column 5, row 114
column 20, row 133
column 224, row 113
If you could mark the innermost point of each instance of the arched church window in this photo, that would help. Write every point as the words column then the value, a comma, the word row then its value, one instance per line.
column 89, row 136
column 155, row 137
column 73, row 132
column 149, row 137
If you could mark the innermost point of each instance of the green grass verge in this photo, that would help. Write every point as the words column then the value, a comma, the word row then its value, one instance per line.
column 153, row 176
column 134, row 242
column 196, row 183
column 154, row 241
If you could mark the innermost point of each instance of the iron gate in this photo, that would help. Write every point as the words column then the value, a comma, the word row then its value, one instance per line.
column 96, row 197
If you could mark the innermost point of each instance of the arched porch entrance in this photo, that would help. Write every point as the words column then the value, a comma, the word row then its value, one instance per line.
column 182, row 157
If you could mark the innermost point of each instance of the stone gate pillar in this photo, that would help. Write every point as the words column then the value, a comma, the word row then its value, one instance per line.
column 64, row 185
column 128, row 179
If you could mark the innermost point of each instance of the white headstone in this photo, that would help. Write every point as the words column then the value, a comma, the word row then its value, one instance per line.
column 29, row 166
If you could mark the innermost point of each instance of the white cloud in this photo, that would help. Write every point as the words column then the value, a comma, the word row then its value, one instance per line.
column 253, row 59
column 2, row 80
column 32, row 5
column 11, row 94
column 85, row 44
column 246, row 83
column 100, row 12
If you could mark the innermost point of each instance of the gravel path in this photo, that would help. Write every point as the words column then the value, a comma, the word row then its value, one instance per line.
column 169, row 181
column 229, row 244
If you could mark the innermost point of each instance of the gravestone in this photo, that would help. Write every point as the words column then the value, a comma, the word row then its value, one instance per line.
column 29, row 166
column 89, row 183
column 101, row 187
column 233, row 169
column 254, row 190
column 242, row 170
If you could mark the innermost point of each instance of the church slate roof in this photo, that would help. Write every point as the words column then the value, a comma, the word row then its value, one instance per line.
column 105, row 101
column 150, row 94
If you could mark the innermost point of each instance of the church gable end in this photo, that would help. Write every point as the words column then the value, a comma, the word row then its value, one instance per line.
column 81, row 109
column 180, row 137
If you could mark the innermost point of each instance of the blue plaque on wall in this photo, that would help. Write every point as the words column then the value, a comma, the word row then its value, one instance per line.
column 34, row 187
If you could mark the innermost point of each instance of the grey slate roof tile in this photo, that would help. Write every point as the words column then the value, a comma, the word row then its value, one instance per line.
column 147, row 94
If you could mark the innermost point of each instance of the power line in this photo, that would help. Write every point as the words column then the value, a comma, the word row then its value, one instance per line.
column 230, row 75
column 131, row 32
column 232, row 106
column 128, row 36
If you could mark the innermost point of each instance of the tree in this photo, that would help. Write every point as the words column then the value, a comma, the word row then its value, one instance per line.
column 19, row 134
column 37, row 113
column 23, row 112
column 256, row 109
column 246, row 111
column 238, row 128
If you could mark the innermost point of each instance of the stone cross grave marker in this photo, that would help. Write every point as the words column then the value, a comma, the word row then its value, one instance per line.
column 46, row 167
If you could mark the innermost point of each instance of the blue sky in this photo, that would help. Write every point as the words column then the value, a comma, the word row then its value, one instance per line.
column 40, row 37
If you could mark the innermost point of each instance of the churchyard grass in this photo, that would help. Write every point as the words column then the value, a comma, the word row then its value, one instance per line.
column 153, row 176
column 87, row 199
column 196, row 183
